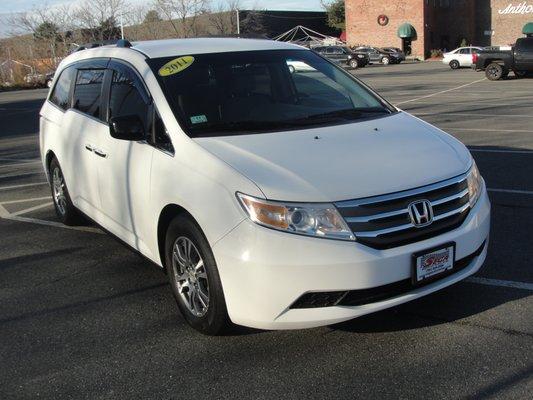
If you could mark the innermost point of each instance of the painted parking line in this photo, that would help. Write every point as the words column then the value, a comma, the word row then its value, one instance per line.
column 4, row 214
column 34, row 208
column 460, row 114
column 23, row 185
column 510, row 191
column 500, row 283
column 490, row 130
column 478, row 150
column 440, row 92
column 24, row 200
column 20, row 164
column 16, row 175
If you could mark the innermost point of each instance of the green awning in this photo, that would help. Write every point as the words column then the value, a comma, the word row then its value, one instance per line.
column 528, row 29
column 406, row 31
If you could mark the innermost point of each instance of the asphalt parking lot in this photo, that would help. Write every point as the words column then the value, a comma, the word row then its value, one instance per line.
column 81, row 316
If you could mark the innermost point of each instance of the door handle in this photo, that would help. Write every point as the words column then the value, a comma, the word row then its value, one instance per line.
column 100, row 153
column 88, row 147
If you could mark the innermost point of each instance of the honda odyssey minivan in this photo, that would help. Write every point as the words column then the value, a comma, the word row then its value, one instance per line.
column 272, row 199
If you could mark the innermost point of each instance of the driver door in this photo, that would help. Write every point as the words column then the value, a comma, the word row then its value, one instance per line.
column 124, row 166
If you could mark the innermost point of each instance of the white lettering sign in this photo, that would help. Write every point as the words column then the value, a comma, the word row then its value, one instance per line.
column 520, row 8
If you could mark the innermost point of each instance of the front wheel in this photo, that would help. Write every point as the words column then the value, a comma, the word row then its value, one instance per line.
column 385, row 60
column 354, row 64
column 194, row 277
column 494, row 71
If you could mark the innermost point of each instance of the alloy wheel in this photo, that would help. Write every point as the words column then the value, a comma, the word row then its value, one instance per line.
column 190, row 276
column 58, row 185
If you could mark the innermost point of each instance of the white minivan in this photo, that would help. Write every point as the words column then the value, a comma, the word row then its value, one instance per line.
column 274, row 200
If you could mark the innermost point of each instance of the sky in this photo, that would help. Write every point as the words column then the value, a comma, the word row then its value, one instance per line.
column 7, row 7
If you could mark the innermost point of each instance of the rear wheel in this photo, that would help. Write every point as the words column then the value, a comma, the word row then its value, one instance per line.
column 454, row 64
column 194, row 277
column 354, row 64
column 494, row 71
column 292, row 70
column 385, row 60
column 65, row 210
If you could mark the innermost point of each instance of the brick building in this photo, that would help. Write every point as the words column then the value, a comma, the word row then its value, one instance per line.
column 418, row 26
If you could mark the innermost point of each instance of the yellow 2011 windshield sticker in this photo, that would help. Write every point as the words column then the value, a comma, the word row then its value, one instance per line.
column 175, row 66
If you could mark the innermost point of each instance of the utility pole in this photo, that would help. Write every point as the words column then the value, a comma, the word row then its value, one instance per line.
column 121, row 28
column 238, row 23
column 10, row 65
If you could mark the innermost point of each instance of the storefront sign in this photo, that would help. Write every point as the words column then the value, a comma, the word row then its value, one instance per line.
column 520, row 8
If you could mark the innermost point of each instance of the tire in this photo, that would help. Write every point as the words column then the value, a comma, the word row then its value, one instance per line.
column 67, row 213
column 292, row 70
column 191, row 267
column 454, row 64
column 494, row 71
column 354, row 64
column 385, row 60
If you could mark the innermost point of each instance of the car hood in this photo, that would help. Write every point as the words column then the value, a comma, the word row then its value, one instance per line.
column 344, row 162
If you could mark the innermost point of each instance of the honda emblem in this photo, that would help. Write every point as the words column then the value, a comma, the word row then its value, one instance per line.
column 421, row 213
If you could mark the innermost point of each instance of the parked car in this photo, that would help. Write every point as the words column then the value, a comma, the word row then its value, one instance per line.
column 396, row 53
column 272, row 200
column 39, row 79
column 498, row 63
column 460, row 57
column 299, row 66
column 49, row 78
column 377, row 55
column 344, row 56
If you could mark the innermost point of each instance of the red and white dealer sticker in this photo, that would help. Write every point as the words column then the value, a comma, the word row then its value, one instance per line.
column 436, row 262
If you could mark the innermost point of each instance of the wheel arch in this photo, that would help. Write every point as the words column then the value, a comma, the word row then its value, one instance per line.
column 167, row 214
column 50, row 155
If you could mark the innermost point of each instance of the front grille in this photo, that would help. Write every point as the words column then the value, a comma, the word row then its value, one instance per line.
column 383, row 222
column 375, row 294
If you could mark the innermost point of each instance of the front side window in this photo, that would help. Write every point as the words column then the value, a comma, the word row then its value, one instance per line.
column 61, row 93
column 127, row 96
column 224, row 94
column 88, row 91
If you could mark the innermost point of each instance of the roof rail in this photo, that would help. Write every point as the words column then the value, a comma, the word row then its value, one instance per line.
column 124, row 43
column 118, row 42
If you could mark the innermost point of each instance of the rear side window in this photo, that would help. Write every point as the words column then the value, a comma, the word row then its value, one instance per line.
column 127, row 96
column 88, row 91
column 525, row 44
column 61, row 93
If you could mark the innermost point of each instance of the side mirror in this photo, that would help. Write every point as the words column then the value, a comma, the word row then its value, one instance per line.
column 128, row 127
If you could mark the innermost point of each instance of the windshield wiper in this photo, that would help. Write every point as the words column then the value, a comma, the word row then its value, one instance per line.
column 346, row 114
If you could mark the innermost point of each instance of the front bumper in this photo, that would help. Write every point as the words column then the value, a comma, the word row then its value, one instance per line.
column 264, row 271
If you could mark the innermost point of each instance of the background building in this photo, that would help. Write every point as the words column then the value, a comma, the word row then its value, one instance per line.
column 418, row 26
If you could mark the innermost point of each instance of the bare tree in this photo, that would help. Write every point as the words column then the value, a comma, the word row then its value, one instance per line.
column 99, row 18
column 182, row 14
column 51, row 28
column 223, row 18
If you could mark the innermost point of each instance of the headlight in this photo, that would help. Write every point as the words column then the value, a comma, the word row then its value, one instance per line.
column 350, row 57
column 475, row 184
column 360, row 56
column 320, row 220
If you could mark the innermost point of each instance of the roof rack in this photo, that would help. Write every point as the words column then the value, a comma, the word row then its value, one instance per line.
column 118, row 42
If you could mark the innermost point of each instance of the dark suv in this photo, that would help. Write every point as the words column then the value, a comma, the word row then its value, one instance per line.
column 377, row 55
column 344, row 56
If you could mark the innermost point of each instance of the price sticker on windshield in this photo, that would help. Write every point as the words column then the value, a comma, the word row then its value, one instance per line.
column 176, row 66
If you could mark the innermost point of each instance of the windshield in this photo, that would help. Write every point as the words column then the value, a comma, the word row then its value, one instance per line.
column 223, row 94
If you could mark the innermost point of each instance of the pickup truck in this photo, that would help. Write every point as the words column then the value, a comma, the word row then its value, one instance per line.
column 498, row 63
